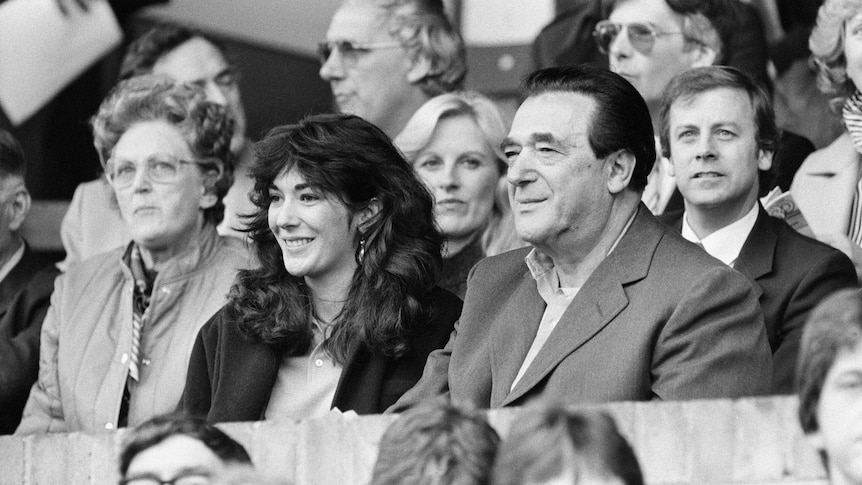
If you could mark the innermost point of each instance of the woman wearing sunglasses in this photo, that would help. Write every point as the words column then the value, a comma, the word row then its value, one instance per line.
column 826, row 187
column 116, row 341
column 343, row 310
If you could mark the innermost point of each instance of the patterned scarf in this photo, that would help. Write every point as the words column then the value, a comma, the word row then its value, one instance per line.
column 852, row 114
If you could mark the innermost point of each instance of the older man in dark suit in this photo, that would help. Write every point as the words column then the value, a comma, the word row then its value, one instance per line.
column 26, row 283
column 608, row 304
column 718, row 130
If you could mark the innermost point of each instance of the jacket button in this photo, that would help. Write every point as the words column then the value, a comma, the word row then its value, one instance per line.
column 318, row 363
column 109, row 425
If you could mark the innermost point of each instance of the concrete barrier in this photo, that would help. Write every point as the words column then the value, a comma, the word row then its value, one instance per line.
column 748, row 441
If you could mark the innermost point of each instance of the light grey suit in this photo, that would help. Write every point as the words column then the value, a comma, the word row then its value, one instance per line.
column 658, row 319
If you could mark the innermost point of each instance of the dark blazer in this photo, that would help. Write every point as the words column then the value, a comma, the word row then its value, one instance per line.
column 791, row 274
column 231, row 378
column 657, row 319
column 24, row 299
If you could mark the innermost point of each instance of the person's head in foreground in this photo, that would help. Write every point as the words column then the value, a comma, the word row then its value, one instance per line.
column 829, row 379
column 436, row 443
column 579, row 150
column 345, row 234
column 718, row 129
column 179, row 450
column 166, row 153
column 554, row 446
column 188, row 56
column 384, row 58
column 14, row 196
column 453, row 142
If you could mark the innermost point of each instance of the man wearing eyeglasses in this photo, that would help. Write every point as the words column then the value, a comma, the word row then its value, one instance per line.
column 648, row 42
column 92, row 224
column 383, row 60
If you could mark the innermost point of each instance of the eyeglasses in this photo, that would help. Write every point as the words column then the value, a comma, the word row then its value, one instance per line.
column 163, row 169
column 195, row 478
column 350, row 50
column 642, row 36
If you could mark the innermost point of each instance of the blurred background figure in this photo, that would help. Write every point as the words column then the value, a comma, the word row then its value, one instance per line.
column 384, row 59
column 827, row 186
column 92, row 224
column 436, row 444
column 179, row 450
column 453, row 142
column 829, row 378
column 555, row 446
column 118, row 335
column 26, row 283
column 344, row 309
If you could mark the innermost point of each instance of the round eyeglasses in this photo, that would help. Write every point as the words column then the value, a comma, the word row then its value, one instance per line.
column 350, row 50
column 163, row 169
column 641, row 36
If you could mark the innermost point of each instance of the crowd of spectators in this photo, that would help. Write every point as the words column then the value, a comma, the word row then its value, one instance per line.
column 647, row 230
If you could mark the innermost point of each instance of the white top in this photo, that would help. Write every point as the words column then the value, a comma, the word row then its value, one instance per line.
column 725, row 243
column 306, row 383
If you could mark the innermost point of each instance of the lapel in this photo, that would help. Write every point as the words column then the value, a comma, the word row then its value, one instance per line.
column 360, row 381
column 825, row 185
column 601, row 299
column 756, row 256
column 18, row 277
column 514, row 329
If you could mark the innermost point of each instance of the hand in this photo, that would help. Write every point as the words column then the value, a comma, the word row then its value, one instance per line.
column 843, row 243
column 66, row 6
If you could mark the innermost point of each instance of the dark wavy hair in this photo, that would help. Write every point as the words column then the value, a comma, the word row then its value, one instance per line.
column 158, row 429
column 206, row 126
column 353, row 161
column 147, row 49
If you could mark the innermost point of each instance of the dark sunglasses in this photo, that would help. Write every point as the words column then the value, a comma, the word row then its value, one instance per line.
column 350, row 50
column 641, row 36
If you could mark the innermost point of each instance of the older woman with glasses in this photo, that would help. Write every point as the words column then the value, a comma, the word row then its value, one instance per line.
column 117, row 338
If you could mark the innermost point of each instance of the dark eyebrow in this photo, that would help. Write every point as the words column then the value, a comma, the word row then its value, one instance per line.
column 544, row 138
column 302, row 186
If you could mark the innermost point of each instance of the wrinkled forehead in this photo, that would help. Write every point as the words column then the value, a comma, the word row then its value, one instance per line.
column 654, row 12
column 194, row 60
column 358, row 21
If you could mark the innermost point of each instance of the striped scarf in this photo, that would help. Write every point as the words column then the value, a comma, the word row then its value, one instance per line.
column 852, row 114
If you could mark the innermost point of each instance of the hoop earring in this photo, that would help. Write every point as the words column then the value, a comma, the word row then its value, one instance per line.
column 360, row 254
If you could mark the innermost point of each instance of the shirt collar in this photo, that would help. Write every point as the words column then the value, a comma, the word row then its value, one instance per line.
column 725, row 243
column 13, row 261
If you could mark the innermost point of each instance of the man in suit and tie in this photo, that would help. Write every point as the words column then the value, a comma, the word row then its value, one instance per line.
column 607, row 304
column 26, row 284
column 718, row 130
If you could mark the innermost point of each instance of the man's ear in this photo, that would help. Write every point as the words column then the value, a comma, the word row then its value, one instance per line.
column 764, row 160
column 419, row 70
column 703, row 56
column 20, row 207
column 620, row 166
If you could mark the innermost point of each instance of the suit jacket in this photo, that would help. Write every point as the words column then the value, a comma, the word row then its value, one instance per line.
column 231, row 378
column 657, row 319
column 24, row 298
column 791, row 274
column 825, row 184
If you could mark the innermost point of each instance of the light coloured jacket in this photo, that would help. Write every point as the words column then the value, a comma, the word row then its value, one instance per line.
column 87, row 336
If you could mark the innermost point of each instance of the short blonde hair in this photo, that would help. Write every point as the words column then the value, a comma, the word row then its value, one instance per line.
column 827, row 47
column 499, row 235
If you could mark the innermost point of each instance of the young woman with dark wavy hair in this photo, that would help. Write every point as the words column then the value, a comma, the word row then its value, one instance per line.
column 343, row 310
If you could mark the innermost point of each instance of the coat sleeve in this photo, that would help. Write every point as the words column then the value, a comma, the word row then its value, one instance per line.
column 43, row 412
column 20, row 330
column 714, row 344
column 197, row 395
column 833, row 273
column 434, row 381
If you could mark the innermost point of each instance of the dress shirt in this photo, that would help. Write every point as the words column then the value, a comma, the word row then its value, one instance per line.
column 14, row 260
column 306, row 383
column 556, row 298
column 725, row 243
